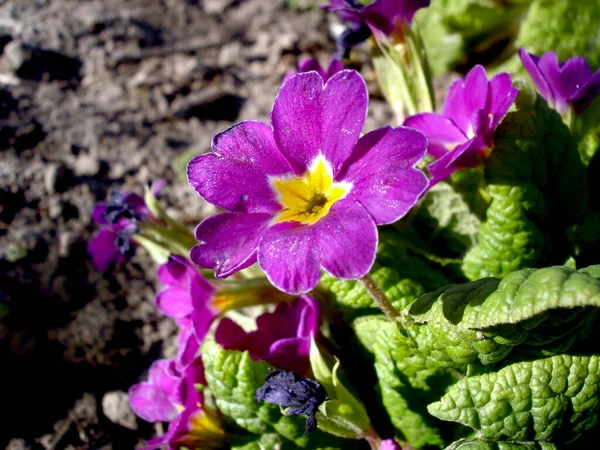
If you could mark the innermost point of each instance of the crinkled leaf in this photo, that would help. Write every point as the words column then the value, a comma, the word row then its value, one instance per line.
column 553, row 399
column 537, row 187
column 545, row 311
column 366, row 329
column 233, row 378
column 480, row 444
column 566, row 28
column 408, row 382
column 401, row 274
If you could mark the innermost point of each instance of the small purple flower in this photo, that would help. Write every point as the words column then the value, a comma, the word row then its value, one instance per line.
column 383, row 17
column 282, row 338
column 566, row 85
column 308, row 64
column 118, row 217
column 165, row 397
column 462, row 136
column 389, row 444
column 186, row 292
column 306, row 193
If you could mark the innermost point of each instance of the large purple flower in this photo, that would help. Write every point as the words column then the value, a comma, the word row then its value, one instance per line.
column 566, row 85
column 462, row 135
column 117, row 216
column 306, row 193
column 282, row 338
column 166, row 397
column 382, row 16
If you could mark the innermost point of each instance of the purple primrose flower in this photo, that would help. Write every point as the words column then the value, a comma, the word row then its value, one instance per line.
column 167, row 397
column 566, row 85
column 305, row 193
column 462, row 135
column 308, row 64
column 118, row 217
column 282, row 338
column 383, row 17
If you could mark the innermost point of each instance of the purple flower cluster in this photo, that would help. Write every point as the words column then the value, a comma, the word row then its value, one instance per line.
column 305, row 193
column 567, row 86
column 118, row 217
column 461, row 136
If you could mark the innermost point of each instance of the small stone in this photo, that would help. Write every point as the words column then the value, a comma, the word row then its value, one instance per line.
column 17, row 444
column 54, row 207
column 115, row 406
column 87, row 165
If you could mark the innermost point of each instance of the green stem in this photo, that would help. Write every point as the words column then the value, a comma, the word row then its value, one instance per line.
column 379, row 297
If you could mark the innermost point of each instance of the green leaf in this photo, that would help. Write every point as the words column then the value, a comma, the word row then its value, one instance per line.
column 566, row 28
column 233, row 378
column 408, row 382
column 366, row 329
column 401, row 274
column 343, row 414
column 537, row 188
column 553, row 399
column 543, row 311
column 480, row 444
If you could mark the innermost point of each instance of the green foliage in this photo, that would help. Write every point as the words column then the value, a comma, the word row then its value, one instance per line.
column 566, row 28
column 533, row 174
column 553, row 399
column 233, row 378
column 402, row 275
column 480, row 444
column 408, row 382
column 543, row 311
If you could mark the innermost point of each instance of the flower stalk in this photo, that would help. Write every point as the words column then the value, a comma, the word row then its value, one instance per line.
column 379, row 297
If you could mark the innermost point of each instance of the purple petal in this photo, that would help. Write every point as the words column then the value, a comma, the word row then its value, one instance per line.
column 102, row 249
column 203, row 314
column 335, row 66
column 347, row 238
column 174, row 302
column 153, row 401
column 586, row 93
column 308, row 64
column 187, row 348
column 228, row 241
column 445, row 166
column 389, row 444
column 309, row 119
column 235, row 176
column 228, row 333
column 574, row 73
column 465, row 98
column 175, row 271
column 382, row 172
column 289, row 255
column 502, row 96
column 290, row 354
column 531, row 64
column 548, row 65
column 310, row 316
column 440, row 131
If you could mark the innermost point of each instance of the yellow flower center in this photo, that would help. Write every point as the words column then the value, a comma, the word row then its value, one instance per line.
column 308, row 198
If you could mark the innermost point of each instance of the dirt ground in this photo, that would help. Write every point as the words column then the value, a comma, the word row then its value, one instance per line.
column 105, row 94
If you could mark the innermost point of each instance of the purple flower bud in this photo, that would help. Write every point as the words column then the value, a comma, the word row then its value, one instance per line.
column 389, row 444
column 308, row 64
column 302, row 396
column 567, row 85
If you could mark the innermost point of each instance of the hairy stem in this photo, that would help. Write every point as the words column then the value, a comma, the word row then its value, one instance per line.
column 380, row 298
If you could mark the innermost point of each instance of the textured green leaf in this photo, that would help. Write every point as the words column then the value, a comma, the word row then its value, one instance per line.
column 408, row 382
column 402, row 275
column 553, row 399
column 480, row 444
column 534, row 173
column 566, row 28
column 545, row 311
column 366, row 329
column 233, row 378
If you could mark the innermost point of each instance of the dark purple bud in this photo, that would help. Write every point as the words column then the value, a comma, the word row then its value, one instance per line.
column 123, row 242
column 302, row 396
column 351, row 38
column 118, row 208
